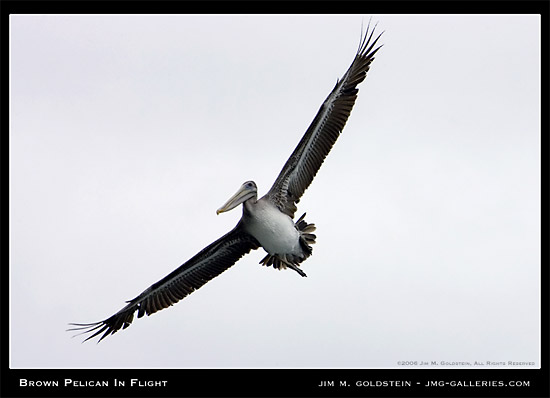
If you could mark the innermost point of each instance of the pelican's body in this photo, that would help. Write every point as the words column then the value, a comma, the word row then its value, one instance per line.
column 274, row 230
column 267, row 222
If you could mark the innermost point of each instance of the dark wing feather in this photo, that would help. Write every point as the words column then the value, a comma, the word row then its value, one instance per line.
column 203, row 267
column 313, row 148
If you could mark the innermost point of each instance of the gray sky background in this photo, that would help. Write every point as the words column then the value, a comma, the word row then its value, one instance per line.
column 128, row 132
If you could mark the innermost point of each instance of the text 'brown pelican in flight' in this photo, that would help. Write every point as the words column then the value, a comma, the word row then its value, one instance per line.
column 267, row 222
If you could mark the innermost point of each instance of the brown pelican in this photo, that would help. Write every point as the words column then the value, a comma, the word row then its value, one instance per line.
column 267, row 222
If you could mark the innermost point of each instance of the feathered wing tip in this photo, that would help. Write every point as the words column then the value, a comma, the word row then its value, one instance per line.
column 84, row 328
column 109, row 326
column 366, row 39
column 283, row 261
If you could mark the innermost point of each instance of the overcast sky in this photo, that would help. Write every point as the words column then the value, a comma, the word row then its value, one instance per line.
column 128, row 132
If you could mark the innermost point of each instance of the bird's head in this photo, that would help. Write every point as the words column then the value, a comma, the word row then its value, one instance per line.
column 247, row 191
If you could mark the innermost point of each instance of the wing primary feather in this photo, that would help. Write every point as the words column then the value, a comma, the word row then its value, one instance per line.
column 203, row 267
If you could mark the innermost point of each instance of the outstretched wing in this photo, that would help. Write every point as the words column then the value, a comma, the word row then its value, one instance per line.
column 203, row 267
column 305, row 161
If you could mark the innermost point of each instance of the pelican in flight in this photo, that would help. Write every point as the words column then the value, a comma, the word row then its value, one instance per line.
column 266, row 222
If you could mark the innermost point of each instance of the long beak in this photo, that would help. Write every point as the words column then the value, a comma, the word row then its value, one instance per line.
column 241, row 196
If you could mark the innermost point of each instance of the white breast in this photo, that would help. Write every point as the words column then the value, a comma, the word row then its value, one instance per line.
column 274, row 230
